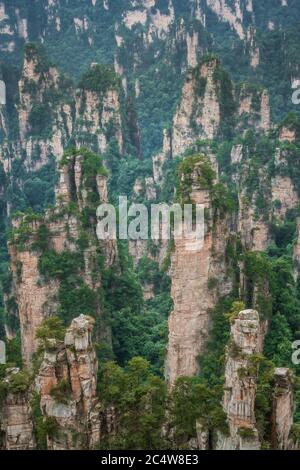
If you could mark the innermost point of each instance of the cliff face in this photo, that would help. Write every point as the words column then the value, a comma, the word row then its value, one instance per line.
column 65, row 386
column 198, row 115
column 57, row 263
column 16, row 421
column 266, row 196
column 158, row 20
column 35, row 302
column 210, row 105
column 135, row 34
column 60, row 233
column 240, row 383
column 198, row 274
column 66, row 383
column 241, row 378
column 283, row 410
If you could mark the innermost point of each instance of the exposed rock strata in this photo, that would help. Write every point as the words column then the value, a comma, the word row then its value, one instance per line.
column 194, row 267
column 51, row 112
column 77, row 412
column 240, row 384
column 17, row 423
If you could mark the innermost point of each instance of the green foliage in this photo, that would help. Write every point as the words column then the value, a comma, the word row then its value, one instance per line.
column 92, row 164
column 21, row 235
column 292, row 122
column 246, row 433
column 264, row 396
column 37, row 188
column 75, row 297
column 193, row 169
column 222, row 199
column 13, row 351
column 39, row 120
column 138, row 398
column 61, row 392
column 226, row 99
column 149, row 273
column 54, row 265
column 236, row 308
column 192, row 401
column 283, row 233
column 51, row 328
column 143, row 332
column 39, row 426
column 35, row 52
column 100, row 79
column 258, row 274
column 212, row 362
column 279, row 340
column 19, row 382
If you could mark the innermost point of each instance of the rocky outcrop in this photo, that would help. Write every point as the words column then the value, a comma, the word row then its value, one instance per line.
column 253, row 108
column 254, row 230
column 240, row 384
column 51, row 112
column 283, row 410
column 35, row 301
column 296, row 253
column 38, row 297
column 96, row 114
column 66, row 383
column 284, row 192
column 287, row 134
column 198, row 273
column 16, row 423
column 198, row 115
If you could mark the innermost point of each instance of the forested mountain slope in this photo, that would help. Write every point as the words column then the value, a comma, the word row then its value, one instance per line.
column 145, row 344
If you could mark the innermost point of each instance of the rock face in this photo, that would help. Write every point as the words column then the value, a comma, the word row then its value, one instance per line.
column 283, row 190
column 34, row 300
column 198, row 274
column 202, row 114
column 198, row 115
column 66, row 383
column 283, row 410
column 253, row 108
column 254, row 230
column 17, row 423
column 296, row 254
column 240, row 384
column 51, row 111
column 37, row 297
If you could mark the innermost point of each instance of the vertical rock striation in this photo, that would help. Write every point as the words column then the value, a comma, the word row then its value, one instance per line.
column 283, row 410
column 66, row 383
column 198, row 273
column 240, row 384
column 16, row 423
column 61, row 231
column 198, row 114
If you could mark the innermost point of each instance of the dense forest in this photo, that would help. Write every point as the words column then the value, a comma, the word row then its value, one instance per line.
column 163, row 102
